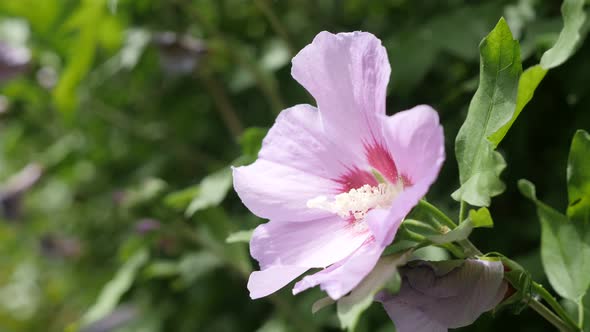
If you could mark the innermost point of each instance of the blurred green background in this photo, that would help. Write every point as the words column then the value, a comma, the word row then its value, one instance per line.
column 119, row 119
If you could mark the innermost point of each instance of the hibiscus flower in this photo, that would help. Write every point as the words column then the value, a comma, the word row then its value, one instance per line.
column 336, row 181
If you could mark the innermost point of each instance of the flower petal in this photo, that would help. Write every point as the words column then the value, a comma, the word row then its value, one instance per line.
column 415, row 139
column 297, row 140
column 416, row 142
column 347, row 74
column 313, row 244
column 263, row 283
column 339, row 279
column 454, row 299
column 279, row 192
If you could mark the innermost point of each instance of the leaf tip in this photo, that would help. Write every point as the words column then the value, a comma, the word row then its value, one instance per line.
column 527, row 188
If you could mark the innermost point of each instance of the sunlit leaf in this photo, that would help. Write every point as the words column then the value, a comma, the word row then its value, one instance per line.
column 481, row 218
column 573, row 20
column 491, row 107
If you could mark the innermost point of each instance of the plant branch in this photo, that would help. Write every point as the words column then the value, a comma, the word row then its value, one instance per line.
column 438, row 214
column 539, row 289
column 549, row 316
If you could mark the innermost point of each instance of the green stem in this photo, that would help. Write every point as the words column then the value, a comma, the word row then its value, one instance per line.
column 539, row 289
column 453, row 249
column 414, row 236
column 549, row 316
column 423, row 242
column 561, row 321
column 470, row 249
column 437, row 214
column 421, row 225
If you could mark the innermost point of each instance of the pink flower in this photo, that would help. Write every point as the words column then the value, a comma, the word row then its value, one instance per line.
column 336, row 181
column 436, row 296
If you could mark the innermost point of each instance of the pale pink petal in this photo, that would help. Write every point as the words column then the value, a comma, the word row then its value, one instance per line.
column 339, row 279
column 347, row 74
column 455, row 298
column 284, row 247
column 415, row 140
column 297, row 140
column 384, row 224
column 263, row 283
column 313, row 244
column 279, row 192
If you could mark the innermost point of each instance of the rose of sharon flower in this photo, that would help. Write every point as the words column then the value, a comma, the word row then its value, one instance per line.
column 336, row 180
column 436, row 296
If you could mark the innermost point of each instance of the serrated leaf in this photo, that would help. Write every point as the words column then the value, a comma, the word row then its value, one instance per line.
column 113, row 291
column 491, row 108
column 565, row 248
column 578, row 178
column 573, row 20
column 481, row 218
column 212, row 190
column 350, row 307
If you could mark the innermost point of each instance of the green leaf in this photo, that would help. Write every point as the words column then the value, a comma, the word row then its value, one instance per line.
column 573, row 17
column 573, row 20
column 529, row 80
column 460, row 233
column 188, row 268
column 195, row 264
column 212, row 190
column 481, row 218
column 491, row 108
column 113, row 291
column 251, row 140
column 86, row 20
column 351, row 307
column 240, row 236
column 578, row 178
column 565, row 248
